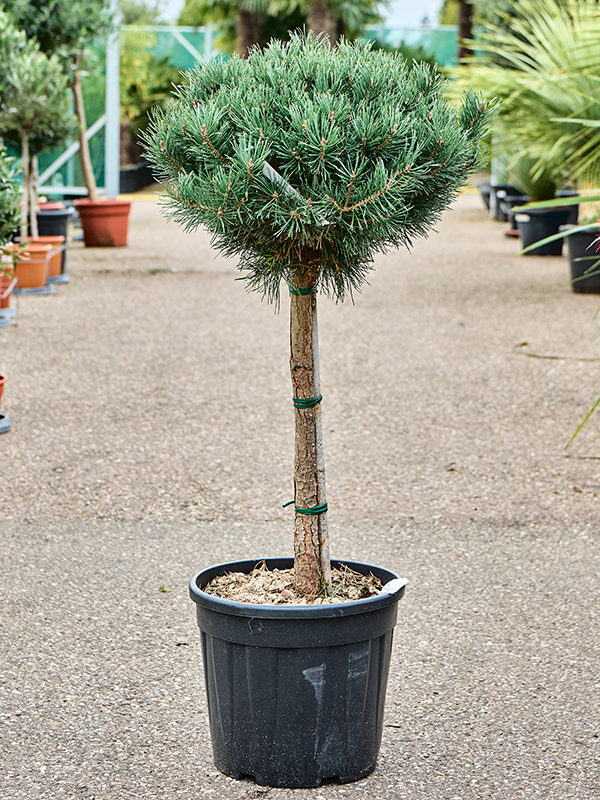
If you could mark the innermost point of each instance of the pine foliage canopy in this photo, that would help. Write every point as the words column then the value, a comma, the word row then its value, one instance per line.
column 305, row 160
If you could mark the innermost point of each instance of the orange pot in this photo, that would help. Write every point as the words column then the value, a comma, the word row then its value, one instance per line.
column 56, row 255
column 32, row 267
column 104, row 223
column 6, row 286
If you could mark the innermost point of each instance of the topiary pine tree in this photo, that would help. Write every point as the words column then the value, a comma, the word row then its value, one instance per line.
column 306, row 161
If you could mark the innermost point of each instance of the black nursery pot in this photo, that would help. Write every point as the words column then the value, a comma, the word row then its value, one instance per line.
column 54, row 222
column 296, row 692
column 535, row 225
column 583, row 256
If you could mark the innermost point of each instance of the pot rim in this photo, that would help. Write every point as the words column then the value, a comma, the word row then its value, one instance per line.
column 85, row 203
column 391, row 592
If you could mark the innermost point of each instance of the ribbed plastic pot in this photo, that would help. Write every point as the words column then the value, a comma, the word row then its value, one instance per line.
column 583, row 256
column 104, row 223
column 296, row 693
column 535, row 225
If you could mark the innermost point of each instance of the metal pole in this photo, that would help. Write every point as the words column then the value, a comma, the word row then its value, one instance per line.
column 112, row 146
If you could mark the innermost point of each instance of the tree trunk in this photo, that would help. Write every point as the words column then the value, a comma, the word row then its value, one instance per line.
column 465, row 28
column 84, row 148
column 25, row 194
column 34, row 175
column 248, row 31
column 321, row 20
column 312, row 569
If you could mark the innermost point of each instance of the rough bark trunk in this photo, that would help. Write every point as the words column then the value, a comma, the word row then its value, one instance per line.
column 465, row 29
column 25, row 194
column 312, row 569
column 84, row 148
column 248, row 31
column 34, row 175
column 321, row 20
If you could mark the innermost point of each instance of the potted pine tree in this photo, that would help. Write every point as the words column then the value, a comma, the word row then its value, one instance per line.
column 305, row 161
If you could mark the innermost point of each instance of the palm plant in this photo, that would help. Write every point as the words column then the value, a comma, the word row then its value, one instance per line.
column 306, row 161
column 245, row 23
column 544, row 64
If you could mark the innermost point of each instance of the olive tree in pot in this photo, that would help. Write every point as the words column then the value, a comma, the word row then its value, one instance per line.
column 305, row 161
column 67, row 28
column 35, row 112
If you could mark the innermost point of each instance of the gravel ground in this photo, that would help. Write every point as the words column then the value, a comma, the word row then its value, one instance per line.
column 152, row 436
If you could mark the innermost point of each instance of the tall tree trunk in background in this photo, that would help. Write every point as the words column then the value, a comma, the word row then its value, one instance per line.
column 321, row 20
column 312, row 568
column 465, row 28
column 25, row 193
column 248, row 31
column 34, row 182
column 84, row 148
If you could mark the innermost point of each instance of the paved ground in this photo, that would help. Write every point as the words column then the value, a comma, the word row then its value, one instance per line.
column 152, row 435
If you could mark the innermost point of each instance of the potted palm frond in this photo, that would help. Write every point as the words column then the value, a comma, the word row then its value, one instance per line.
column 305, row 161
column 542, row 59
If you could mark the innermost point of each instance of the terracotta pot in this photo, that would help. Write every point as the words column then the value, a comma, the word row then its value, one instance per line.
column 32, row 267
column 55, row 262
column 6, row 286
column 104, row 223
column 51, row 206
column 2, row 382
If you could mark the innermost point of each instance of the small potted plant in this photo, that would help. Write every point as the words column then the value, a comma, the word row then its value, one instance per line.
column 10, row 215
column 9, row 222
column 68, row 32
column 305, row 161
column 537, row 182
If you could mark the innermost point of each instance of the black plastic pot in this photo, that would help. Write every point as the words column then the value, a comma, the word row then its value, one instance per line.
column 484, row 190
column 55, row 223
column 296, row 692
column 537, row 224
column 508, row 205
column 573, row 210
column 583, row 256
column 135, row 177
column 497, row 194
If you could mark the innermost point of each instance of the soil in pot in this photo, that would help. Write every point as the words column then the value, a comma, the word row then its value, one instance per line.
column 537, row 224
column 583, row 257
column 296, row 693
column 104, row 223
